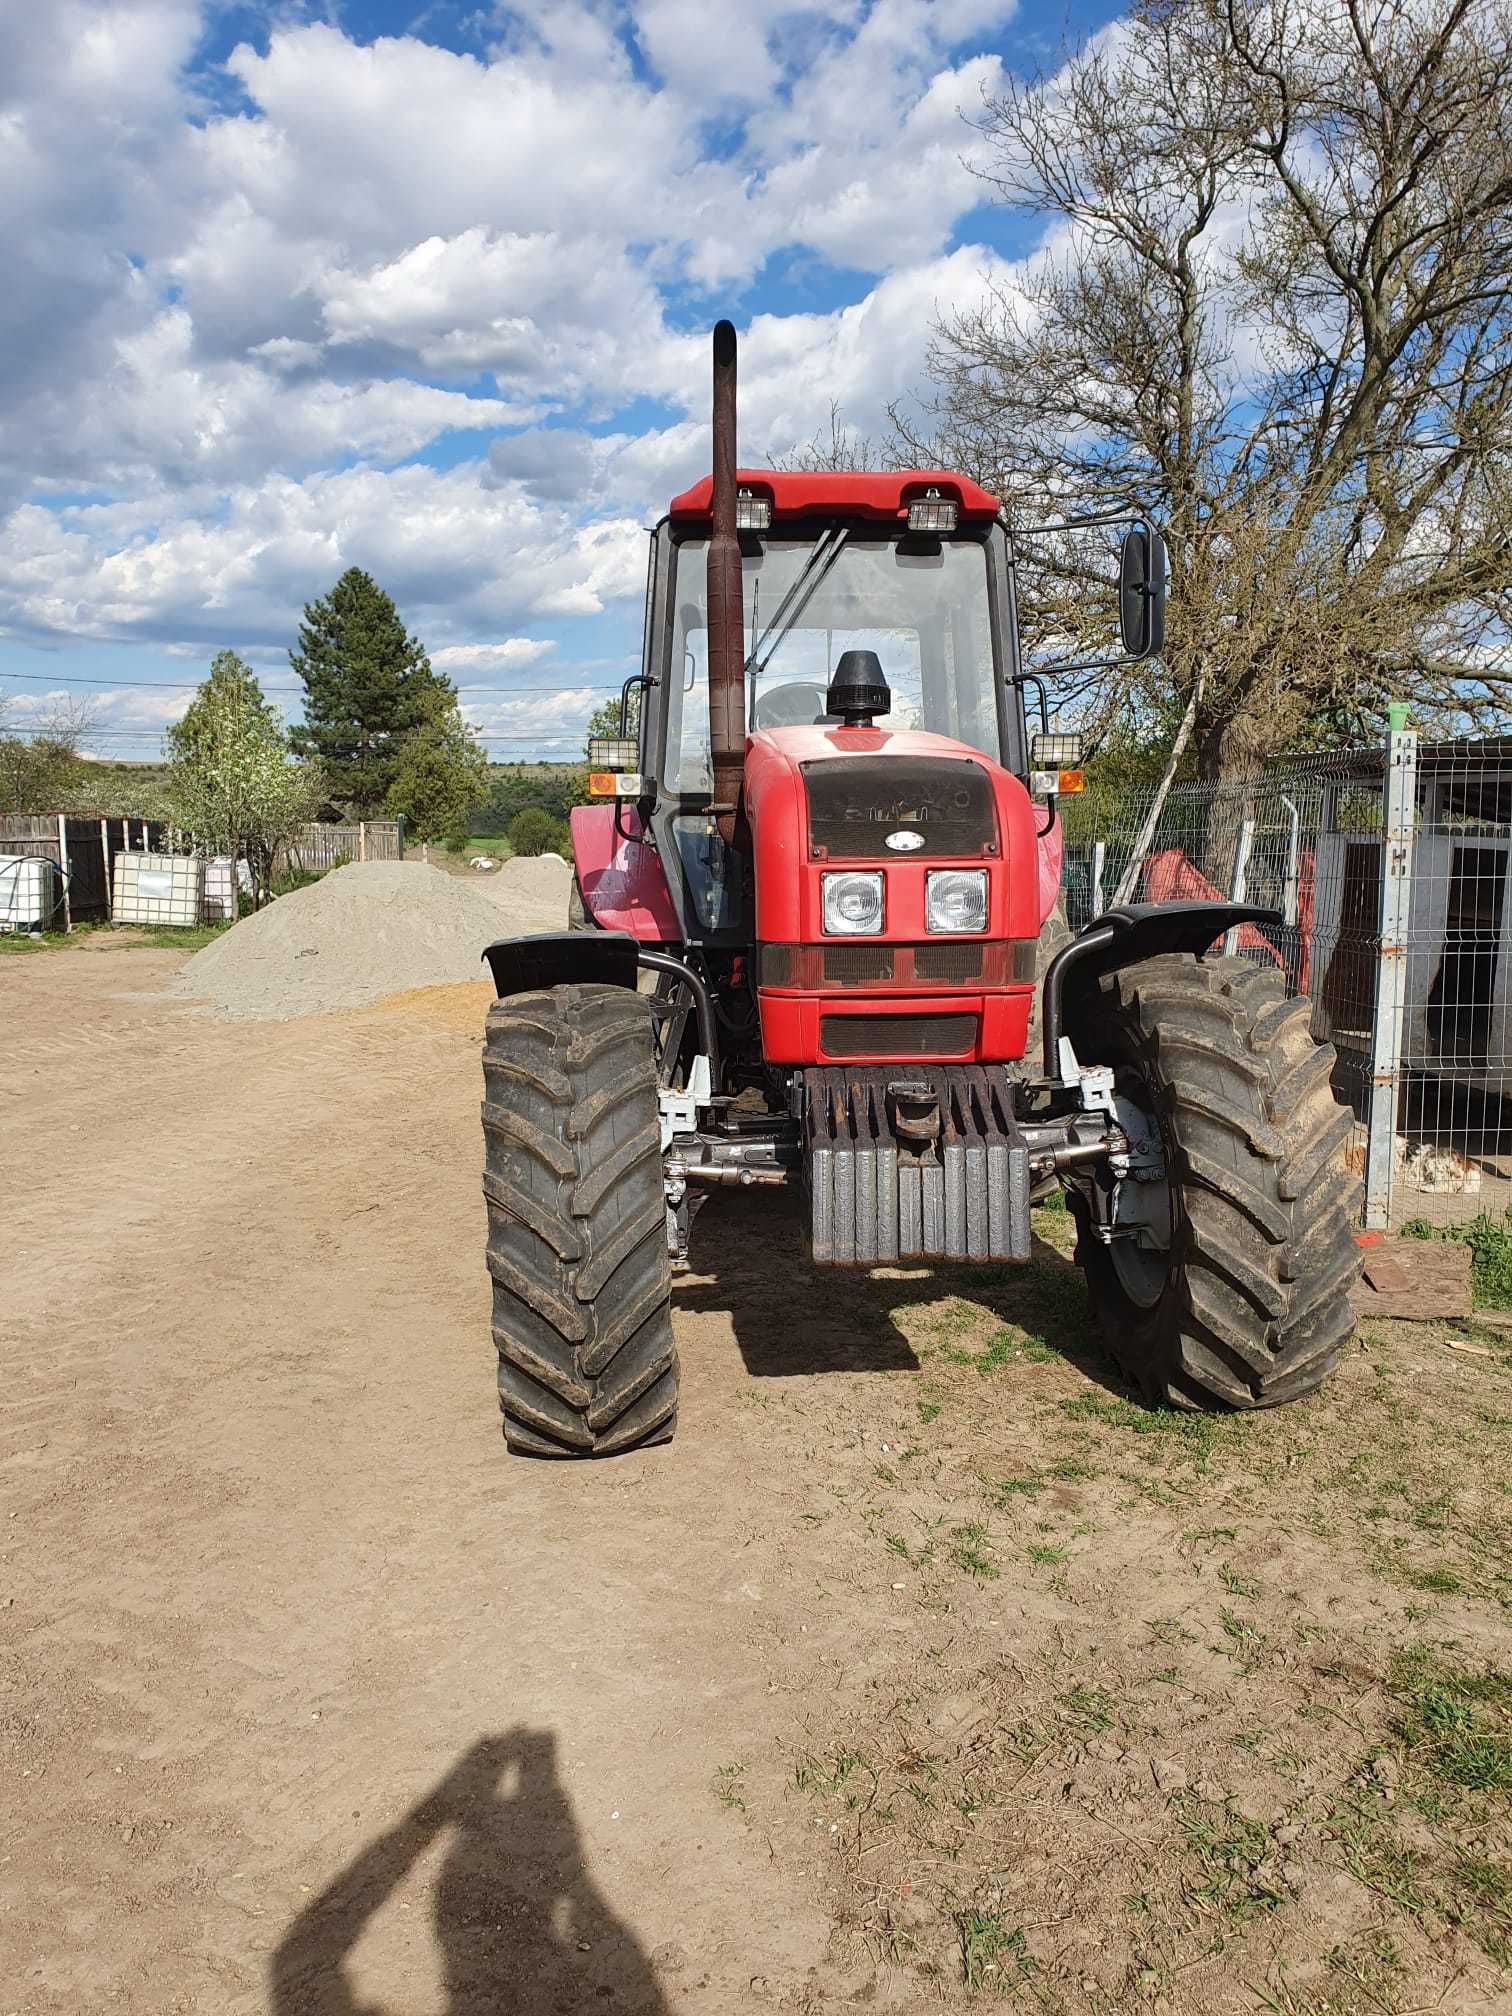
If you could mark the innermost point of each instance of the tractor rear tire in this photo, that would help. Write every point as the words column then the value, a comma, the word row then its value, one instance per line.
column 1249, row 1305
column 577, row 1240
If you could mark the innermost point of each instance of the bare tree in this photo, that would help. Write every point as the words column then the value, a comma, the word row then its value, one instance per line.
column 40, row 766
column 839, row 447
column 1273, row 301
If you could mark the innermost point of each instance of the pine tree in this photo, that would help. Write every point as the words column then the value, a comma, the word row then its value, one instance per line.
column 367, row 683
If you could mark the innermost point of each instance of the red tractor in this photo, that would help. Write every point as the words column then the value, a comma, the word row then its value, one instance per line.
column 808, row 909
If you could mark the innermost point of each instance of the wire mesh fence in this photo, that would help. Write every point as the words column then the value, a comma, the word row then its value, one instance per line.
column 1388, row 867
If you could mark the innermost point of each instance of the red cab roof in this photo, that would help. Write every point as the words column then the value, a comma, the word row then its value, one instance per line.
column 824, row 493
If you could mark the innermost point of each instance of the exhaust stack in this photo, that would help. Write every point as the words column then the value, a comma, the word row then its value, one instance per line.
column 727, row 735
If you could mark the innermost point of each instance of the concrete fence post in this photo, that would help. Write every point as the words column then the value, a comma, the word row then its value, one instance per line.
column 63, row 870
column 1398, row 820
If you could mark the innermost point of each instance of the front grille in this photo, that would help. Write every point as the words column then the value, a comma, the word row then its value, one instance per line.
column 948, row 962
column 853, row 965
column 897, row 1035
column 943, row 803
column 774, row 965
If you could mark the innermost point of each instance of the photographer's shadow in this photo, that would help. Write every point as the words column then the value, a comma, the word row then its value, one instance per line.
column 522, row 1928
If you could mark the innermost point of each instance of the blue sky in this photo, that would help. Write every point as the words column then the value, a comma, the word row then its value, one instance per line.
column 426, row 289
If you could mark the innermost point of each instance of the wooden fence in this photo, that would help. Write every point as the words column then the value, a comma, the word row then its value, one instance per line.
column 83, row 847
column 315, row 848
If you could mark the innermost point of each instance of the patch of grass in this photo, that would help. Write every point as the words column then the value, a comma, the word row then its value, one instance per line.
column 994, row 1955
column 1375, row 1856
column 1195, row 1434
column 1088, row 1707
column 1003, row 1490
column 1236, row 1627
column 1237, row 1584
column 1234, row 1858
column 828, row 1778
column 1044, row 1556
column 1490, row 1243
column 970, row 1551
column 929, row 1410
column 1438, row 1581
column 727, row 1786
column 1454, row 1722
column 183, row 938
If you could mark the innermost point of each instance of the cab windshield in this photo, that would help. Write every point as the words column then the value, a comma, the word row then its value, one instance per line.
column 921, row 606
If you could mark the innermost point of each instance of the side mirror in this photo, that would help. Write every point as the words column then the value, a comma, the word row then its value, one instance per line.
column 1142, row 591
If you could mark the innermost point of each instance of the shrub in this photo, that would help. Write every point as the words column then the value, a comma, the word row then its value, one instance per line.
column 534, row 831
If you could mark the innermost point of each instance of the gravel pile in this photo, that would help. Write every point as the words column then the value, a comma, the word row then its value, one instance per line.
column 370, row 929
column 533, row 889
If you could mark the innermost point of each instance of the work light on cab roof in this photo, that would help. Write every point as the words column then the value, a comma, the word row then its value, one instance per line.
column 817, row 938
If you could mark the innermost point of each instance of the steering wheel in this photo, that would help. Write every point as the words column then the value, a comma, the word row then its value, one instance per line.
column 795, row 705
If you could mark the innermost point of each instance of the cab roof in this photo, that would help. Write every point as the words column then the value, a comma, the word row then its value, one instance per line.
column 824, row 493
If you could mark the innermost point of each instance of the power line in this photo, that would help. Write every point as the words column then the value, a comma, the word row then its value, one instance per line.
column 189, row 685
column 157, row 734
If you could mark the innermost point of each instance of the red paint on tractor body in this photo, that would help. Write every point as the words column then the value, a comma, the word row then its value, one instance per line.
column 623, row 885
column 821, row 493
column 802, row 1026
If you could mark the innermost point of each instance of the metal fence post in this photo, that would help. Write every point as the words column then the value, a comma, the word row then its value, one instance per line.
column 1399, row 813
column 1239, row 881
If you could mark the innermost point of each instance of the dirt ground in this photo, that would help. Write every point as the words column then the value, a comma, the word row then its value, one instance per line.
column 922, row 1670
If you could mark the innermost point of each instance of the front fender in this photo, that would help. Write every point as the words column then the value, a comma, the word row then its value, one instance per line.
column 561, row 958
column 1124, row 937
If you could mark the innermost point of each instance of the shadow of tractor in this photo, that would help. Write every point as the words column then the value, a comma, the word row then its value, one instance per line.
column 751, row 1262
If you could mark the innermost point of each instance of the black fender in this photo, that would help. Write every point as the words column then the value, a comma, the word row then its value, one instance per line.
column 1125, row 936
column 562, row 958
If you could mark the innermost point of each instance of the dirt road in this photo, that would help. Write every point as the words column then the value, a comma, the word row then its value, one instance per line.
column 313, row 1701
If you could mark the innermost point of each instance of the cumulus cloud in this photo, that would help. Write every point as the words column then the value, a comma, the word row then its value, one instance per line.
column 440, row 312
column 457, row 660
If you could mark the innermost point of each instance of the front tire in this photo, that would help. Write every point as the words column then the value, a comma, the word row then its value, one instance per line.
column 577, row 1245
column 1237, row 1293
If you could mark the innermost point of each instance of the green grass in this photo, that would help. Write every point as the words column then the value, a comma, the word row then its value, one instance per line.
column 1490, row 1243
column 970, row 1551
column 994, row 1955
column 727, row 1786
column 1233, row 1856
column 1170, row 1428
column 1455, row 1722
column 1088, row 1707
column 165, row 938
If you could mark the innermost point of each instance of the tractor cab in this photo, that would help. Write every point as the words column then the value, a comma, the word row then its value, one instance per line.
column 911, row 568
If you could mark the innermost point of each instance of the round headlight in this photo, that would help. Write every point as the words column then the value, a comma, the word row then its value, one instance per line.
column 852, row 904
column 955, row 899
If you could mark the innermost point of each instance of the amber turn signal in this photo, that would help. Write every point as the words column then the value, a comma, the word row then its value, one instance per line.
column 1070, row 782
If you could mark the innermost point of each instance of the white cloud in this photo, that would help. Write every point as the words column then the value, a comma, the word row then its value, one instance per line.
column 233, row 330
column 456, row 660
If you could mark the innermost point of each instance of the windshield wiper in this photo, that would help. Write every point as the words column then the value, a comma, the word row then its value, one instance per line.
column 797, row 599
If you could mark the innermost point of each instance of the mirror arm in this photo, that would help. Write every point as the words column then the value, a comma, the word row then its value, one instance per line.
column 1023, row 679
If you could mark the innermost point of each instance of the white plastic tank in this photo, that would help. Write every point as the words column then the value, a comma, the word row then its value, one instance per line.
column 28, row 892
column 157, row 889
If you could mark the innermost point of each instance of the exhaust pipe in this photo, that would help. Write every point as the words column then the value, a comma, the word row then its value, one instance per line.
column 727, row 734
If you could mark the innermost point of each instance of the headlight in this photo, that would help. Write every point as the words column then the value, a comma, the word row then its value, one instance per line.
column 852, row 904
column 955, row 899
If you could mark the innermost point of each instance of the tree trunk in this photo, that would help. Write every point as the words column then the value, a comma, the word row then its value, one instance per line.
column 1232, row 762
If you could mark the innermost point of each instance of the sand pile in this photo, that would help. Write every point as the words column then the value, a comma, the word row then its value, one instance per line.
column 374, row 928
column 533, row 889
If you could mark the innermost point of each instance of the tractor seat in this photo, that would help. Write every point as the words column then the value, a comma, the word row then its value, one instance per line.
column 795, row 705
